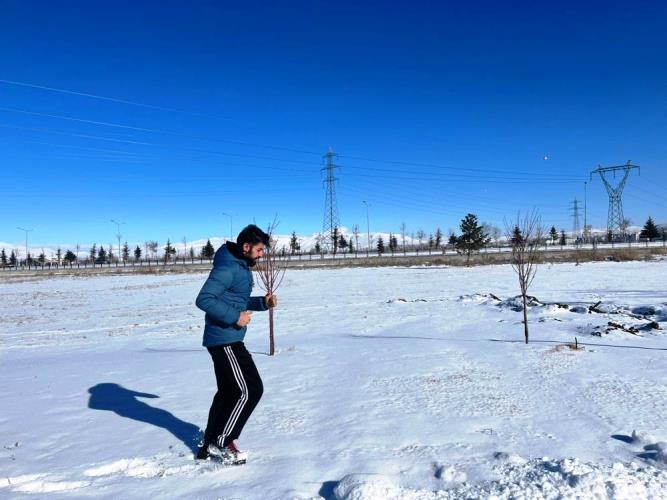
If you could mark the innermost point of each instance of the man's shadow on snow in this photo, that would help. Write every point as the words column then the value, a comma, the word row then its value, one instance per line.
column 124, row 402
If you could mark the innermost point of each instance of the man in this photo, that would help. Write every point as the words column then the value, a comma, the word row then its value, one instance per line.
column 226, row 300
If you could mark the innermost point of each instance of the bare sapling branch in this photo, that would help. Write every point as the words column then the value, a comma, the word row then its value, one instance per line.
column 525, row 235
column 271, row 271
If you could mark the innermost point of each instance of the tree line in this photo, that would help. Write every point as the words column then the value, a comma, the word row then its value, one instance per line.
column 473, row 237
column 101, row 255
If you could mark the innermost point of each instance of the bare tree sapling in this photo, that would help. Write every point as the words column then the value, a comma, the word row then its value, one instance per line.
column 524, row 236
column 271, row 271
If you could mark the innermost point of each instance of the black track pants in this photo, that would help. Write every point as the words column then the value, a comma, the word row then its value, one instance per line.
column 239, row 390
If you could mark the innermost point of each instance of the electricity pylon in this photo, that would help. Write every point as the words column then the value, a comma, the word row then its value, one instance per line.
column 615, row 215
column 575, row 215
column 331, row 219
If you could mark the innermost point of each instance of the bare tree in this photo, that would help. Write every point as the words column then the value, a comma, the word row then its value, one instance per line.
column 152, row 246
column 625, row 224
column 493, row 231
column 271, row 271
column 524, row 235
column 355, row 232
column 420, row 236
column 318, row 243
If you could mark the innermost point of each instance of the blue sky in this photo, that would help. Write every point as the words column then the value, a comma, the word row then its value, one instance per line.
column 436, row 109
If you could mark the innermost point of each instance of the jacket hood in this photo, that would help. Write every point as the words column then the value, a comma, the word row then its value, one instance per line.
column 231, row 252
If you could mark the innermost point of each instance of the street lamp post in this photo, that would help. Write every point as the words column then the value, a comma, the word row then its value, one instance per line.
column 586, row 235
column 118, row 224
column 26, row 242
column 368, row 229
column 231, row 225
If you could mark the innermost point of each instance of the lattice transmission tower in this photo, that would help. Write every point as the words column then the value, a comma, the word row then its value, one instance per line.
column 575, row 218
column 331, row 219
column 615, row 215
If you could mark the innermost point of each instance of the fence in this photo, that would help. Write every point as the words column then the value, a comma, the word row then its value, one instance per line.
column 311, row 256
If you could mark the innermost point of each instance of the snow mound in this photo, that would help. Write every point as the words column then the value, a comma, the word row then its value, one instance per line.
column 507, row 458
column 366, row 487
column 567, row 479
column 516, row 303
column 480, row 298
column 645, row 310
column 537, row 479
column 450, row 474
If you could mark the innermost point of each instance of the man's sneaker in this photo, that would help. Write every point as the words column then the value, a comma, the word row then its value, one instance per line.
column 203, row 453
column 232, row 455
column 229, row 455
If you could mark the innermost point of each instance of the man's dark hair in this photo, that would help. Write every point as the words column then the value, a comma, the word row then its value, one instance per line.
column 253, row 235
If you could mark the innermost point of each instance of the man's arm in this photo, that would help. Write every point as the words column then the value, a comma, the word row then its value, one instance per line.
column 211, row 298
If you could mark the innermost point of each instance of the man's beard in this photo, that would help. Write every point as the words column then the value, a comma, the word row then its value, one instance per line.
column 250, row 260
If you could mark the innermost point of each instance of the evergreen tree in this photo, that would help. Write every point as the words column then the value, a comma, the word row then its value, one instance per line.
column 335, row 240
column 610, row 236
column 342, row 243
column 93, row 252
column 101, row 255
column 553, row 234
column 650, row 230
column 438, row 238
column 126, row 252
column 192, row 253
column 12, row 259
column 351, row 245
column 59, row 255
column 294, row 243
column 517, row 236
column 380, row 245
column 318, row 247
column 3, row 258
column 207, row 252
column 472, row 239
column 431, row 242
column 452, row 239
column 110, row 255
column 69, row 257
column 169, row 251
column 563, row 239
column 41, row 258
column 137, row 254
column 29, row 260
column 393, row 242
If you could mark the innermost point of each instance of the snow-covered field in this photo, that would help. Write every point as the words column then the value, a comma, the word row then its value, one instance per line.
column 389, row 383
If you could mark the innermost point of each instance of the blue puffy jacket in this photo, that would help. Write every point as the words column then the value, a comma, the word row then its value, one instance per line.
column 225, row 295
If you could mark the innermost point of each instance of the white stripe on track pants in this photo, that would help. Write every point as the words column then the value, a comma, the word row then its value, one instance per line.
column 239, row 390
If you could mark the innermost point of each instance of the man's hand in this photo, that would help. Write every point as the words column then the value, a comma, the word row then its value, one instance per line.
column 244, row 319
column 270, row 300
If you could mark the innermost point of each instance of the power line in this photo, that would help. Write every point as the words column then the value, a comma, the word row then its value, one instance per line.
column 249, row 144
column 450, row 177
column 106, row 98
column 153, row 130
column 152, row 144
column 543, row 177
column 432, row 165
